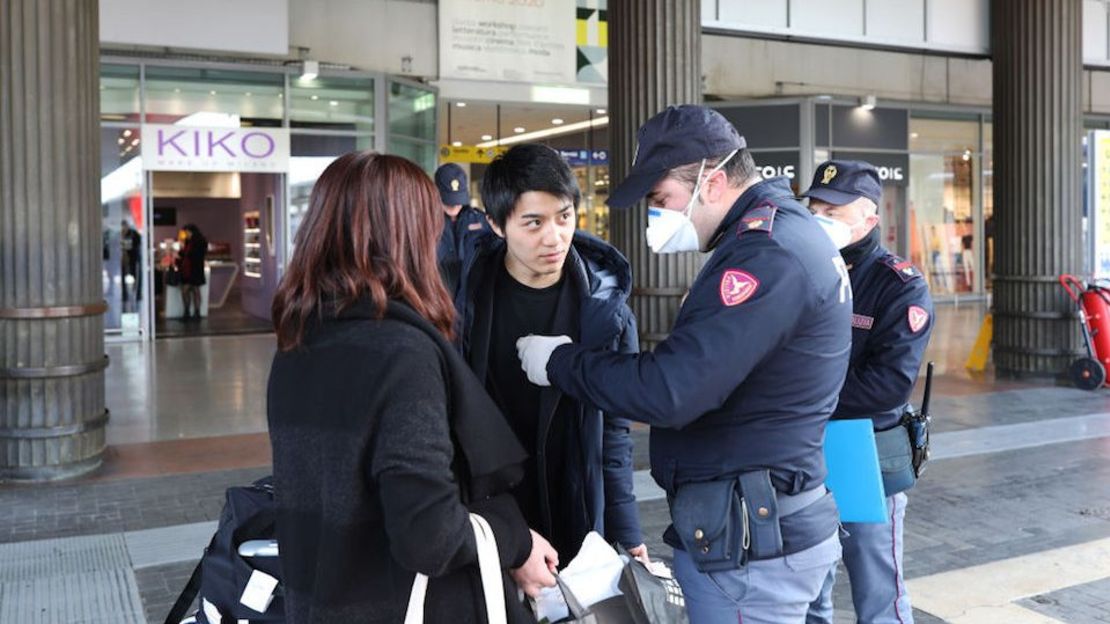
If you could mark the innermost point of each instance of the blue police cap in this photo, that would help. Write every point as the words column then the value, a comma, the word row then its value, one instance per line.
column 678, row 136
column 840, row 182
column 451, row 182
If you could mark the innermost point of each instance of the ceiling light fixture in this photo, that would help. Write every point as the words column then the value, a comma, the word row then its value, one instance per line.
column 310, row 70
column 487, row 137
column 868, row 102
column 570, row 128
column 518, row 130
column 456, row 143
column 556, row 122
column 460, row 104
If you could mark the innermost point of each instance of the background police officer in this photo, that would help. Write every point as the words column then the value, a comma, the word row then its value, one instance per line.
column 890, row 330
column 739, row 393
column 461, row 222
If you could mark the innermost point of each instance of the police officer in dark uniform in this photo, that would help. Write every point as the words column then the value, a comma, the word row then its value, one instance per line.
column 891, row 324
column 461, row 222
column 739, row 394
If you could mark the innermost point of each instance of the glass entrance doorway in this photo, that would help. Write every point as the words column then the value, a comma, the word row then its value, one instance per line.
column 215, row 254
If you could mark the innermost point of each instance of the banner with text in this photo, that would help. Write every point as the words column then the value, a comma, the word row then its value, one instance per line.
column 529, row 41
column 186, row 148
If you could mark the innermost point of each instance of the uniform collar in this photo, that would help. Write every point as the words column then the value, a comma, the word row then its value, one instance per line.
column 753, row 196
column 858, row 251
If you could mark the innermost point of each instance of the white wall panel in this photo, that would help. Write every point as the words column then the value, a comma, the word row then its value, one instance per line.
column 843, row 17
column 959, row 24
column 368, row 34
column 1094, row 32
column 758, row 13
column 900, row 21
column 244, row 26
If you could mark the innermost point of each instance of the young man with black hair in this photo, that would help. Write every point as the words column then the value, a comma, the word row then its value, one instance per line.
column 534, row 274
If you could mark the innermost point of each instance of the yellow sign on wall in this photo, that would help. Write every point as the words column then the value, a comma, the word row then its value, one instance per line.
column 469, row 154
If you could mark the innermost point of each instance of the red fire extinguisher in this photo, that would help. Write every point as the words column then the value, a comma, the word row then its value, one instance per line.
column 1093, row 309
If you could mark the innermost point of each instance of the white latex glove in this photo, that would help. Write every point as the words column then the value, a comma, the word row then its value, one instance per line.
column 534, row 352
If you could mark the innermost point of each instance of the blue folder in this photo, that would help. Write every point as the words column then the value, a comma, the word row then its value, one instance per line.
column 854, row 476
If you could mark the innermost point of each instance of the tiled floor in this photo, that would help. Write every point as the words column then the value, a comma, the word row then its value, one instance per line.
column 1020, row 486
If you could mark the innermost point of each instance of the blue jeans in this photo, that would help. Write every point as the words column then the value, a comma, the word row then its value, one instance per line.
column 873, row 558
column 769, row 591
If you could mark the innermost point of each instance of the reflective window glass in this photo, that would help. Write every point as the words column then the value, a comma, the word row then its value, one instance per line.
column 331, row 103
column 206, row 97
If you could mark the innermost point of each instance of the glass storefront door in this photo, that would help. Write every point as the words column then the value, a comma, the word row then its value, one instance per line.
column 944, row 204
column 337, row 112
column 121, row 198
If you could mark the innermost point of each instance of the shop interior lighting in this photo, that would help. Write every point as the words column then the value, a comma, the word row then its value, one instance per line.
column 571, row 128
column 209, row 119
column 456, row 143
column 333, row 103
column 868, row 102
column 556, row 122
column 315, row 97
column 518, row 130
column 310, row 70
column 561, row 95
column 212, row 92
column 487, row 137
column 600, row 111
column 460, row 104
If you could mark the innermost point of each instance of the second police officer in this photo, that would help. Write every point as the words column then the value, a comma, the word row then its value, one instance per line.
column 461, row 224
column 891, row 324
column 739, row 393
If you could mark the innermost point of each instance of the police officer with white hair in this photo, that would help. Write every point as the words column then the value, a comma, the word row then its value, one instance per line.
column 891, row 325
column 739, row 393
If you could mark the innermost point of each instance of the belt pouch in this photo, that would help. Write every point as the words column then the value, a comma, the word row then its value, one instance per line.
column 708, row 517
column 763, row 514
column 895, row 460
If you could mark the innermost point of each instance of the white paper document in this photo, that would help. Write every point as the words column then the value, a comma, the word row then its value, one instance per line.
column 592, row 576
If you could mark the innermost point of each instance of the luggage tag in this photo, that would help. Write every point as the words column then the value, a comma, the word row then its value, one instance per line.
column 259, row 592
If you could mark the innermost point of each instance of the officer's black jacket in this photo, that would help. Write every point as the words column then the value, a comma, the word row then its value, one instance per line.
column 456, row 243
column 891, row 325
column 748, row 377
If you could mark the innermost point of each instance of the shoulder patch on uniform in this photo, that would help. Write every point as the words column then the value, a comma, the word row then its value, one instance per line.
column 474, row 226
column 758, row 219
column 918, row 317
column 904, row 269
column 737, row 287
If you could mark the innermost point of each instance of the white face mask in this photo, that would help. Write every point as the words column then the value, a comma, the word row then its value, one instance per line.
column 671, row 231
column 839, row 232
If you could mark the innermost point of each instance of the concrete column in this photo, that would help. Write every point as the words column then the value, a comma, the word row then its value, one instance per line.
column 52, row 360
column 654, row 62
column 1038, row 203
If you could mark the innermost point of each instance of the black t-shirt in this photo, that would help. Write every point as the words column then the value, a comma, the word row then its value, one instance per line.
column 519, row 310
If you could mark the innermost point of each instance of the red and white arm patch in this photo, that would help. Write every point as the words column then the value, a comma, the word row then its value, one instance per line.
column 918, row 317
column 737, row 287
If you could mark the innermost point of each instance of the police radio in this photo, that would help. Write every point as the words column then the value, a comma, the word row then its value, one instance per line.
column 917, row 425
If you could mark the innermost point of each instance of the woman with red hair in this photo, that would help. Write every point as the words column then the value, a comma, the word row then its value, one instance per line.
column 383, row 440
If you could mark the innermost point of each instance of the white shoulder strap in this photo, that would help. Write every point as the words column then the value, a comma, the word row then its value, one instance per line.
column 489, row 566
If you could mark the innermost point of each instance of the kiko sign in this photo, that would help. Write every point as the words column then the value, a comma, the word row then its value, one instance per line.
column 187, row 148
